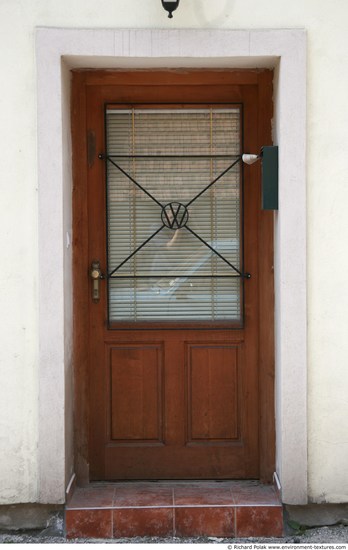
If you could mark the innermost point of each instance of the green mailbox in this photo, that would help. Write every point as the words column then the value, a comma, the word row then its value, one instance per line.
column 269, row 179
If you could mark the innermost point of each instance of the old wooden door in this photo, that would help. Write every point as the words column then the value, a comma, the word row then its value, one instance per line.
column 173, row 319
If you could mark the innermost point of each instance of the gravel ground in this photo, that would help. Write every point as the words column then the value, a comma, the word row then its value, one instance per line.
column 331, row 535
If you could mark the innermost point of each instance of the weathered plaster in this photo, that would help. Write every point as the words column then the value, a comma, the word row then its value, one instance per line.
column 327, row 197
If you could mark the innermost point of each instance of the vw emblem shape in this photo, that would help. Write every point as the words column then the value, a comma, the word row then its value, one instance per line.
column 174, row 215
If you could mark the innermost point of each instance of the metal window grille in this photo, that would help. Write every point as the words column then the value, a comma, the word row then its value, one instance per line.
column 174, row 214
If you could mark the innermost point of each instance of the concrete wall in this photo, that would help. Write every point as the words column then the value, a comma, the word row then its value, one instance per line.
column 327, row 197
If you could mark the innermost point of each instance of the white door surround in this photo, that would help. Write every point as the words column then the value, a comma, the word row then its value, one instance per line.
column 58, row 51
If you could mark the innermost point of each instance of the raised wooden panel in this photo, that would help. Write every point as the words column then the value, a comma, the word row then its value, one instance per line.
column 136, row 405
column 212, row 393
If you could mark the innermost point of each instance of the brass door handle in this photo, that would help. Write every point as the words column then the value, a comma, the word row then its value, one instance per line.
column 96, row 274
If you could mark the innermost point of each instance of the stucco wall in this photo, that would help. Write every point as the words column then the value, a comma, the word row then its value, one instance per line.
column 327, row 196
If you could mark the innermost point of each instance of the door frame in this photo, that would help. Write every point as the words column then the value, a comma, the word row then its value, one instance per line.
column 58, row 50
column 84, row 153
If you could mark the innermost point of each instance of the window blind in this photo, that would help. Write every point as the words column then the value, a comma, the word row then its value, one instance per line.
column 175, row 276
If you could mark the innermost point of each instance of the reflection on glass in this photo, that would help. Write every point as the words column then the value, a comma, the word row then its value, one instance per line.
column 175, row 276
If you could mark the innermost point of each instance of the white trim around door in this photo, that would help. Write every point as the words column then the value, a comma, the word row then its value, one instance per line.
column 60, row 50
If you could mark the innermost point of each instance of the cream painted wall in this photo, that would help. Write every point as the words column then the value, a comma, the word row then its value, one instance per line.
column 327, row 194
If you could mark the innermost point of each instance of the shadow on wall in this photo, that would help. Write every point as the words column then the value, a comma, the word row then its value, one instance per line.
column 221, row 8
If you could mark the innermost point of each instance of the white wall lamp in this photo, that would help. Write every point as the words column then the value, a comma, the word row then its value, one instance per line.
column 170, row 6
column 269, row 177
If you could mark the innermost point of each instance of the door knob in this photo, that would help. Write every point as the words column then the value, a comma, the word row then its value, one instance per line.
column 96, row 275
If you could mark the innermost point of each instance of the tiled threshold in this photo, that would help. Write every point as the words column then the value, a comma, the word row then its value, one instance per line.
column 180, row 509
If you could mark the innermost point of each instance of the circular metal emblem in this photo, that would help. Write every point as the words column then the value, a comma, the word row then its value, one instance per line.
column 174, row 215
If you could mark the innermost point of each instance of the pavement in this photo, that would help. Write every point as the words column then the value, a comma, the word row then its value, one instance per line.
column 336, row 534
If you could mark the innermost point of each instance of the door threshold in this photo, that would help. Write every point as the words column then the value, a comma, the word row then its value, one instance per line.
column 174, row 509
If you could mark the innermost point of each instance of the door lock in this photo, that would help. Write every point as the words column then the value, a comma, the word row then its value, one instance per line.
column 96, row 275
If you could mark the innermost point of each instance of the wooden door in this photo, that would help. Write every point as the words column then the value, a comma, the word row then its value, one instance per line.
column 173, row 393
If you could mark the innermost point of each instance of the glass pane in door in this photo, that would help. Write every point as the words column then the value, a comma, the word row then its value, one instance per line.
column 174, row 214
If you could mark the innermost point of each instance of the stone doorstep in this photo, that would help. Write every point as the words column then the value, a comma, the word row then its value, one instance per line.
column 180, row 509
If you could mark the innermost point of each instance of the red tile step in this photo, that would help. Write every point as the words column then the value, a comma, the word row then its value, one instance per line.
column 180, row 509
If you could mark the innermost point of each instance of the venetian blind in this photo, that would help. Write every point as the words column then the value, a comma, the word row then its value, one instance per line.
column 175, row 276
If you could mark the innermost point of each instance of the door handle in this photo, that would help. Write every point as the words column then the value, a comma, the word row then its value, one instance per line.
column 96, row 275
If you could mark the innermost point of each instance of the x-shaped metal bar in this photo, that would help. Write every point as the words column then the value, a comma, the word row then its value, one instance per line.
column 240, row 274
column 134, row 181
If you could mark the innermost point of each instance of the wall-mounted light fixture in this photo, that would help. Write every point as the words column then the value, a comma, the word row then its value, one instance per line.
column 170, row 6
column 269, row 177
